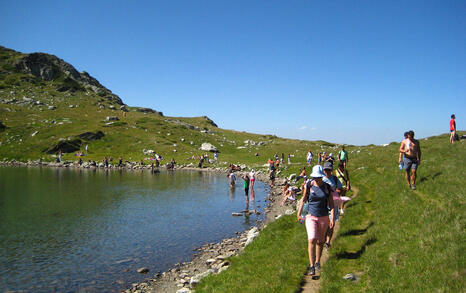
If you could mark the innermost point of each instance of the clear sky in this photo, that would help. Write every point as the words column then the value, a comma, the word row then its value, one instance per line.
column 356, row 72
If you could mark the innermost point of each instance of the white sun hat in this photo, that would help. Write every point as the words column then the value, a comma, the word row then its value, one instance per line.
column 317, row 171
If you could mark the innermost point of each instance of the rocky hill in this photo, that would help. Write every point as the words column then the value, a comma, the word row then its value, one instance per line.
column 46, row 105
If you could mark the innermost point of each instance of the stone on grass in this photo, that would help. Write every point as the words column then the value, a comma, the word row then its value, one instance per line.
column 197, row 278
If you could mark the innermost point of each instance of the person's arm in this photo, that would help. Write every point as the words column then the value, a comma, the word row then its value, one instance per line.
column 418, row 153
column 402, row 147
column 301, row 203
column 331, row 204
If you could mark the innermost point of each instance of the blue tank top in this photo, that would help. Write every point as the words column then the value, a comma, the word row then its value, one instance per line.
column 318, row 200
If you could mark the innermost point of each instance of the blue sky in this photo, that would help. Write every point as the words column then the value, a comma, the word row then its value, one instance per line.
column 356, row 72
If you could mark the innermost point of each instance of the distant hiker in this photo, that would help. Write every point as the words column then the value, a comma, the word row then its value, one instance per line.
column 201, row 161
column 272, row 175
column 157, row 162
column 302, row 174
column 411, row 149
column 330, row 158
column 319, row 158
column 276, row 157
column 282, row 159
column 452, row 128
column 86, row 147
column 59, row 156
column 80, row 161
column 216, row 156
column 105, row 162
column 343, row 176
column 309, row 157
column 120, row 162
column 317, row 194
column 252, row 178
column 232, row 178
column 289, row 159
column 343, row 155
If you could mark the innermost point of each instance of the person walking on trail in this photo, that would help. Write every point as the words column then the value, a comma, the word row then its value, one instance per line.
column 309, row 157
column 343, row 176
column 336, row 188
column 411, row 149
column 318, row 195
column 452, row 129
column 402, row 155
column 343, row 156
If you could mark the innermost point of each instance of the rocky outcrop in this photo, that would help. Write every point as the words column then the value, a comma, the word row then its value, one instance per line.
column 210, row 121
column 90, row 136
column 148, row 110
column 66, row 146
column 208, row 147
column 51, row 68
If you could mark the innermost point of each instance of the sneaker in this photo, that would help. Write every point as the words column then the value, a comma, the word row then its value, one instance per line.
column 312, row 271
column 413, row 187
column 327, row 246
column 318, row 266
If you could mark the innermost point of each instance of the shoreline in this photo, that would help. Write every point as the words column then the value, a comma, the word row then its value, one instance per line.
column 207, row 259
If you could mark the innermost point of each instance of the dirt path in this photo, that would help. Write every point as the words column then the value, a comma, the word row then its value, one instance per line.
column 311, row 284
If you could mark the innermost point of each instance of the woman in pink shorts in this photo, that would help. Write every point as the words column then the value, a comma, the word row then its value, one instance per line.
column 317, row 193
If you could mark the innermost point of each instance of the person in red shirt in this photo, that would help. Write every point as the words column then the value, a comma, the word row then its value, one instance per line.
column 452, row 128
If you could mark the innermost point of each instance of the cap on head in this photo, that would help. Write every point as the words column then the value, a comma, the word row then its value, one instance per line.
column 328, row 166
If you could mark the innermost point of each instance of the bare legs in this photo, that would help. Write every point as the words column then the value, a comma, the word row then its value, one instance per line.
column 314, row 249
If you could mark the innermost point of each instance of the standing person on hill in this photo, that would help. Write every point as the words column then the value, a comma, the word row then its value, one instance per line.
column 309, row 157
column 336, row 187
column 411, row 149
column 289, row 159
column 319, row 158
column 452, row 128
column 343, row 155
column 318, row 195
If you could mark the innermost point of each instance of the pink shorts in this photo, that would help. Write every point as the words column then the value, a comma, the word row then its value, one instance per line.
column 316, row 227
column 252, row 179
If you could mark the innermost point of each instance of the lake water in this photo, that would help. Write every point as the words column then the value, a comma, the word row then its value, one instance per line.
column 90, row 230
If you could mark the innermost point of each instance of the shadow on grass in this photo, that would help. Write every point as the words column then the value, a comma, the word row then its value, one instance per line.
column 357, row 254
column 431, row 177
column 356, row 232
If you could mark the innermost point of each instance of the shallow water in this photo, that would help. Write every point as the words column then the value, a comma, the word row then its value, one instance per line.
column 74, row 229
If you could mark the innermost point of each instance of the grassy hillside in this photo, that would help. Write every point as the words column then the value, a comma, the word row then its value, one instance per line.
column 391, row 237
column 39, row 112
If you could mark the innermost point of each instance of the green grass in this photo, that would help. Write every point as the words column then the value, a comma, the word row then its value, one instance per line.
column 393, row 238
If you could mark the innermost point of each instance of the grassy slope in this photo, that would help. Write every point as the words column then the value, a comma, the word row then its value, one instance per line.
column 394, row 238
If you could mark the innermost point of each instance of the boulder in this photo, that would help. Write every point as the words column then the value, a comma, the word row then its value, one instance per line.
column 111, row 118
column 253, row 233
column 143, row 270
column 208, row 147
column 197, row 278
column 90, row 136
column 146, row 110
column 66, row 146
